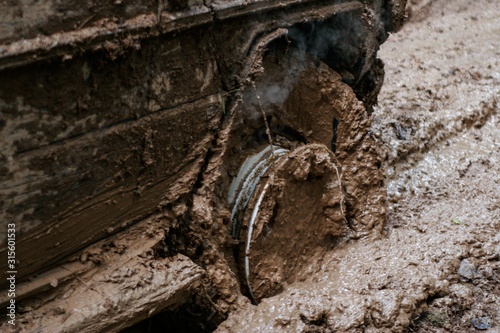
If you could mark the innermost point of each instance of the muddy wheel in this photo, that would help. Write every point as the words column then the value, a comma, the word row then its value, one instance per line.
column 294, row 214
column 304, row 171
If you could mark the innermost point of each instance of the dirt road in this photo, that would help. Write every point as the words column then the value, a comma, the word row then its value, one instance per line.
column 437, row 268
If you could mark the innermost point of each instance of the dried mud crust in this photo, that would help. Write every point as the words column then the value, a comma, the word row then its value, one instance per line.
column 437, row 268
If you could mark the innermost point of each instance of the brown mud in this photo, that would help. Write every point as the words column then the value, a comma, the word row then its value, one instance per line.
column 103, row 131
column 436, row 268
column 328, row 252
column 286, row 234
column 119, row 181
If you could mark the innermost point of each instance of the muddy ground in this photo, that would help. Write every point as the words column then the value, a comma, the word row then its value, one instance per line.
column 436, row 268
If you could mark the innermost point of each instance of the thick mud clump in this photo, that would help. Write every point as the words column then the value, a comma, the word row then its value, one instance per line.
column 294, row 218
column 304, row 177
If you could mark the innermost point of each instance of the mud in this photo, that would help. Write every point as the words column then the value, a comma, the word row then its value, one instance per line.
column 321, row 258
column 286, row 235
column 27, row 20
column 312, row 84
column 437, row 124
column 78, row 155
column 124, row 170
column 85, row 151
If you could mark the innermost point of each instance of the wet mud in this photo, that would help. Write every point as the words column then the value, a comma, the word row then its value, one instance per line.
column 111, row 131
column 299, row 204
column 97, row 212
column 436, row 267
column 299, row 214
